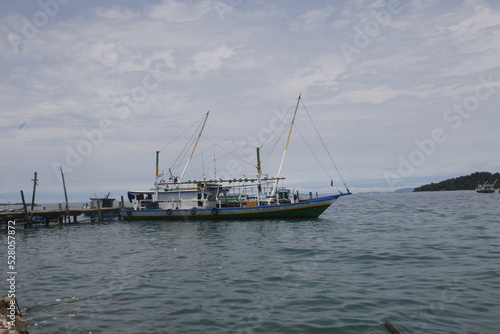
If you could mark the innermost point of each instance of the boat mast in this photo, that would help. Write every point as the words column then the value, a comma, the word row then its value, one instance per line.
column 157, row 172
column 157, row 163
column 194, row 148
column 286, row 148
column 259, row 173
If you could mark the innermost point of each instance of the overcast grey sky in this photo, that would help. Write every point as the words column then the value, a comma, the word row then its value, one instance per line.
column 403, row 92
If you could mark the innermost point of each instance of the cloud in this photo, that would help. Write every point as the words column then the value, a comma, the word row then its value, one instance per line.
column 205, row 61
column 483, row 18
column 180, row 12
column 153, row 69
column 315, row 18
column 115, row 13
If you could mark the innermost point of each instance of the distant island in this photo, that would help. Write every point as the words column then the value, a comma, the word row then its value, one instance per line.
column 468, row 182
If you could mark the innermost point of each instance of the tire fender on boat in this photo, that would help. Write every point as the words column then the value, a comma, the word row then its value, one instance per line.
column 168, row 212
column 215, row 212
column 129, row 213
column 193, row 211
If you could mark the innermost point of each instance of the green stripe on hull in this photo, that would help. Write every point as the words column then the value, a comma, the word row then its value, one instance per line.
column 308, row 212
column 307, row 209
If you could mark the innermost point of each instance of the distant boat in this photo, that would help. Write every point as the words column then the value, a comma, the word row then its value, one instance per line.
column 104, row 202
column 486, row 188
column 260, row 197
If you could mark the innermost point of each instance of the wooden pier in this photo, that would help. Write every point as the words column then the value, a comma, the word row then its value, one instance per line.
column 61, row 216
column 28, row 218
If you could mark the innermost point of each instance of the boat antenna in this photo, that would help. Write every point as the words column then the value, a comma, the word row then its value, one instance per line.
column 194, row 148
column 286, row 147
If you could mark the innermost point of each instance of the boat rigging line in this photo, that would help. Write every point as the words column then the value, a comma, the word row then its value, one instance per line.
column 195, row 144
column 194, row 140
column 281, row 134
column 184, row 150
column 326, row 149
column 273, row 192
column 319, row 162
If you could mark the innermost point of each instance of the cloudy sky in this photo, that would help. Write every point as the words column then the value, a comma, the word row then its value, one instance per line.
column 402, row 92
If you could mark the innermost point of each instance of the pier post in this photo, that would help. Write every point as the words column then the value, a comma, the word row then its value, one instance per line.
column 99, row 212
column 122, row 206
column 65, row 195
column 35, row 180
column 25, row 208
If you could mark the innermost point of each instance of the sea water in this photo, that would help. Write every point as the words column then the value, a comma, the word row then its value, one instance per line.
column 426, row 262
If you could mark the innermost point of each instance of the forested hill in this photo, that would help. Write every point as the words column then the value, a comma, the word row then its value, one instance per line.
column 468, row 182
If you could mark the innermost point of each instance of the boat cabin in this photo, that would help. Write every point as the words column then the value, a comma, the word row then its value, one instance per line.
column 103, row 202
column 209, row 194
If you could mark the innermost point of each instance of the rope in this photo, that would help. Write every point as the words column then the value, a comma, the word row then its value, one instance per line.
column 317, row 159
column 324, row 145
column 247, row 161
column 288, row 116
column 185, row 149
column 197, row 122
column 243, row 154
column 227, row 153
column 215, row 165
column 202, row 163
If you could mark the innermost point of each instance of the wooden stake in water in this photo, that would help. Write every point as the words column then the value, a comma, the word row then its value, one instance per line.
column 65, row 193
column 35, row 180
column 25, row 208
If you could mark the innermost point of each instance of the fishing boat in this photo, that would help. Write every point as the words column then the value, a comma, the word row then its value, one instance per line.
column 259, row 197
column 486, row 188
column 102, row 202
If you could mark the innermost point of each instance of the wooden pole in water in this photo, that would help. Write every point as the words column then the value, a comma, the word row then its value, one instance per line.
column 64, row 186
column 65, row 192
column 35, row 180
column 391, row 328
column 25, row 208
column 60, row 217
column 99, row 212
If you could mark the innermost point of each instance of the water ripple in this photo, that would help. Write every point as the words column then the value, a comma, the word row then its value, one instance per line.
column 360, row 264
